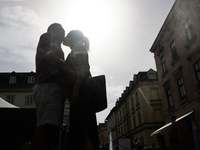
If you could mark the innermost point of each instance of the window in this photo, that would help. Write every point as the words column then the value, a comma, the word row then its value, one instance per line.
column 139, row 119
column 173, row 50
column 188, row 29
column 152, row 76
column 181, row 88
column 132, row 102
column 163, row 65
column 124, row 113
column 134, row 122
column 29, row 100
column 31, row 79
column 137, row 98
column 125, row 129
column 169, row 98
column 10, row 99
column 128, row 110
column 197, row 71
column 127, row 125
column 12, row 80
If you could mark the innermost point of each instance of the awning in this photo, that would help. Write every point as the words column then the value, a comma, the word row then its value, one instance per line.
column 4, row 104
column 169, row 124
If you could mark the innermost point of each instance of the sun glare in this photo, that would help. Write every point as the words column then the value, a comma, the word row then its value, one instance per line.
column 93, row 18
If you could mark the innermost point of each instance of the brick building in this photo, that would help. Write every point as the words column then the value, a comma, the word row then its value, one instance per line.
column 177, row 55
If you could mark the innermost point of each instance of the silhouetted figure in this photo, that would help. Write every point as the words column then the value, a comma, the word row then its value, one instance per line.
column 173, row 143
column 83, row 134
column 49, row 91
column 153, row 145
column 138, row 144
column 160, row 144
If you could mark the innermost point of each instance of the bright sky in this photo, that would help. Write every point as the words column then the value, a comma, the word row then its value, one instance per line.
column 121, row 33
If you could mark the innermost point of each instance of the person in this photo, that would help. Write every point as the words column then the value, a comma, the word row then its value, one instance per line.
column 52, row 74
column 153, row 145
column 138, row 144
column 173, row 142
column 83, row 132
column 133, row 145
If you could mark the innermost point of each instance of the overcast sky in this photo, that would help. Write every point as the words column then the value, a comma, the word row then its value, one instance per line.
column 121, row 33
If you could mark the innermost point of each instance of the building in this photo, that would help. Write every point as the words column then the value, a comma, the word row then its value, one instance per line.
column 103, row 135
column 138, row 110
column 177, row 55
column 16, row 88
column 112, row 129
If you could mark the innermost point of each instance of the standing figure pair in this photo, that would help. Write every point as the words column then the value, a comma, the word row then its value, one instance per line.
column 55, row 78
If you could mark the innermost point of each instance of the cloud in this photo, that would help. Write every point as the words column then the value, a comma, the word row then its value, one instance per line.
column 96, row 70
column 115, row 90
column 11, row 0
column 20, row 30
column 21, row 14
column 111, row 77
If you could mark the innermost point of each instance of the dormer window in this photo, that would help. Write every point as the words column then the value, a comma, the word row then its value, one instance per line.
column 135, row 78
column 12, row 80
column 31, row 79
column 152, row 76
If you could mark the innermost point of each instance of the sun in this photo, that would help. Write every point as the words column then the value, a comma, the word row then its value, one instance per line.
column 93, row 18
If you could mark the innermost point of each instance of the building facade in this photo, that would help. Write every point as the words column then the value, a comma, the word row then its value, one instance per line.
column 112, row 129
column 138, row 110
column 103, row 136
column 177, row 55
column 16, row 88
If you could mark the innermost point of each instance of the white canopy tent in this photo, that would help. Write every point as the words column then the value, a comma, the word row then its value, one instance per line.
column 4, row 104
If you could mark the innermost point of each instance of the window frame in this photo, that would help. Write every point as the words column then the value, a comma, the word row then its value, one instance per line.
column 134, row 122
column 132, row 103
column 137, row 98
column 152, row 76
column 9, row 100
column 163, row 64
column 27, row 100
column 189, row 30
column 173, row 50
column 12, row 80
column 139, row 119
column 169, row 98
column 181, row 88
column 197, row 71
column 31, row 79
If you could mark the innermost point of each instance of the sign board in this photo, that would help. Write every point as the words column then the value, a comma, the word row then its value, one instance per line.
column 124, row 144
